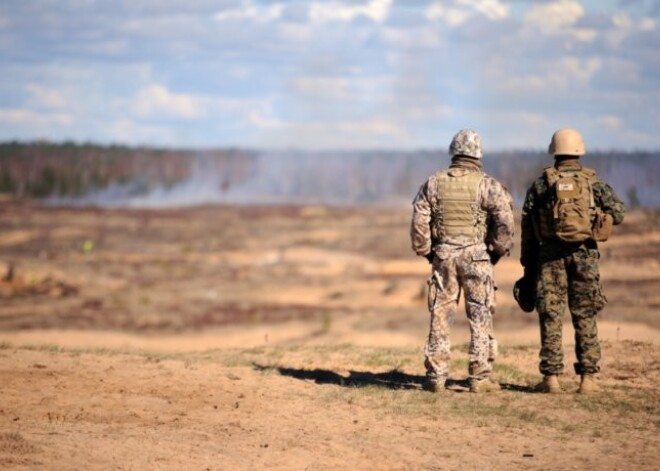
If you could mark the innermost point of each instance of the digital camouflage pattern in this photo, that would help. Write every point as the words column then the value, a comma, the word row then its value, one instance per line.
column 466, row 142
column 567, row 273
column 537, row 198
column 575, row 278
column 467, row 269
column 460, row 264
column 492, row 197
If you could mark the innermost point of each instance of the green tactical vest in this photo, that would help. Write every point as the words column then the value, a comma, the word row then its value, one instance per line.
column 456, row 214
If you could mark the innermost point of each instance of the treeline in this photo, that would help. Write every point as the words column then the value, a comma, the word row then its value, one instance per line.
column 119, row 175
column 44, row 169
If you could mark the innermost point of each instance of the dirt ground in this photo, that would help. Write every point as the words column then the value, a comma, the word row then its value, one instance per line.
column 291, row 338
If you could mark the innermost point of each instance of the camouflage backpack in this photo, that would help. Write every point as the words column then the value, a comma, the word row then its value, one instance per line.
column 571, row 203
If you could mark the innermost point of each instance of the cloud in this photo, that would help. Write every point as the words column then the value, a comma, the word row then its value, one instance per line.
column 126, row 130
column 554, row 17
column 460, row 11
column 250, row 11
column 44, row 97
column 375, row 131
column 23, row 116
column 558, row 18
column 376, row 10
column 625, row 26
column 256, row 72
column 491, row 9
column 611, row 122
column 156, row 100
column 325, row 87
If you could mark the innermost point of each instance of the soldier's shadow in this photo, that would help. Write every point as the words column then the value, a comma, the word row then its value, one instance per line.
column 393, row 379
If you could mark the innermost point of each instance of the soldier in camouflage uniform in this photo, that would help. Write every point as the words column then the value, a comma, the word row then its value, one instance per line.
column 565, row 271
column 462, row 223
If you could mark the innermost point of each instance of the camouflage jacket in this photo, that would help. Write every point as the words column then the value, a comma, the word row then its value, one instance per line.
column 493, row 198
column 536, row 199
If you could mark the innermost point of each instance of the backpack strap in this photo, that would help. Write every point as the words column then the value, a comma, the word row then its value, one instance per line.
column 551, row 175
column 590, row 175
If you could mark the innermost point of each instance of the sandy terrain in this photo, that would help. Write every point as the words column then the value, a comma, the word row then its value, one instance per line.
column 291, row 338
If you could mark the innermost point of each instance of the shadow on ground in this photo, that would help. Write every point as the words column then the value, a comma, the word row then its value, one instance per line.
column 393, row 379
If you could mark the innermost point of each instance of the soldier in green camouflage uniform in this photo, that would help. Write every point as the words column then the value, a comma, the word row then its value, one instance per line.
column 462, row 223
column 566, row 271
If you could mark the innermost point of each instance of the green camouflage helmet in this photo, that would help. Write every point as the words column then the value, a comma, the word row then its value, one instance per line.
column 466, row 142
column 524, row 292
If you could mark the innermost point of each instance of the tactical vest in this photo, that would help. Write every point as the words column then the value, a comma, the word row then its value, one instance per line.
column 569, row 211
column 456, row 214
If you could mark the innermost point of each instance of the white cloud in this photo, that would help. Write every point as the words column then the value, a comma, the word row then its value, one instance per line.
column 463, row 10
column 621, row 20
column 563, row 75
column 624, row 22
column 492, row 9
column 612, row 122
column 327, row 87
column 647, row 24
column 125, row 130
column 249, row 11
column 555, row 16
column 581, row 69
column 558, row 18
column 156, row 100
column 44, row 97
column 624, row 26
column 435, row 11
column 426, row 36
column 29, row 117
column 377, row 10
column 329, row 134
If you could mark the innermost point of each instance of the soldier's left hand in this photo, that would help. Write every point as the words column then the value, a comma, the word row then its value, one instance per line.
column 494, row 257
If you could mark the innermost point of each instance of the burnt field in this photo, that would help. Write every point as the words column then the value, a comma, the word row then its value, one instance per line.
column 188, row 269
column 291, row 337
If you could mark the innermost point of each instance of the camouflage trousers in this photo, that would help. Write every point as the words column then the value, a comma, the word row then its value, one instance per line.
column 468, row 270
column 573, row 277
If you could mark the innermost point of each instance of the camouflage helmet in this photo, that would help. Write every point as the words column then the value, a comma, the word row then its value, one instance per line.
column 466, row 142
column 567, row 142
column 524, row 292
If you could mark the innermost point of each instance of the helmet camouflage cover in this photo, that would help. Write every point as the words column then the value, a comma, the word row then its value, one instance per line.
column 466, row 142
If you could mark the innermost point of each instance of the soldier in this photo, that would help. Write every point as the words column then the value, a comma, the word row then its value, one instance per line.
column 462, row 223
column 566, row 211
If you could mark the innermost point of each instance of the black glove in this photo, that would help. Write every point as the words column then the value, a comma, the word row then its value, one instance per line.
column 430, row 256
column 494, row 257
column 524, row 290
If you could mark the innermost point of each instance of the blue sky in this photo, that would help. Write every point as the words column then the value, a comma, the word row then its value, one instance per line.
column 358, row 74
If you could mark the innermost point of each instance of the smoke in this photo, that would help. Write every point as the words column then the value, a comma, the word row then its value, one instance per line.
column 329, row 178
column 349, row 178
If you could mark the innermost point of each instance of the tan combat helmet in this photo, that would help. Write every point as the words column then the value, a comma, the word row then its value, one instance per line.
column 567, row 142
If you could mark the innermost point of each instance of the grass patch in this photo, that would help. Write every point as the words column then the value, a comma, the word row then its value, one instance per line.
column 390, row 379
column 506, row 373
column 635, row 402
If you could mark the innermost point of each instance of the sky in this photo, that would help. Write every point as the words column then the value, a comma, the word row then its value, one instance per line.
column 335, row 74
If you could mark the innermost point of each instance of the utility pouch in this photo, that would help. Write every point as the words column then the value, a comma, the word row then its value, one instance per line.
column 602, row 228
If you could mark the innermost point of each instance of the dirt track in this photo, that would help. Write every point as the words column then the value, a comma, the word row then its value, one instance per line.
column 305, row 407
column 290, row 338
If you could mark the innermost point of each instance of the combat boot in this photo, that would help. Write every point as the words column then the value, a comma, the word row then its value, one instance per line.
column 484, row 386
column 588, row 385
column 435, row 387
column 549, row 385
